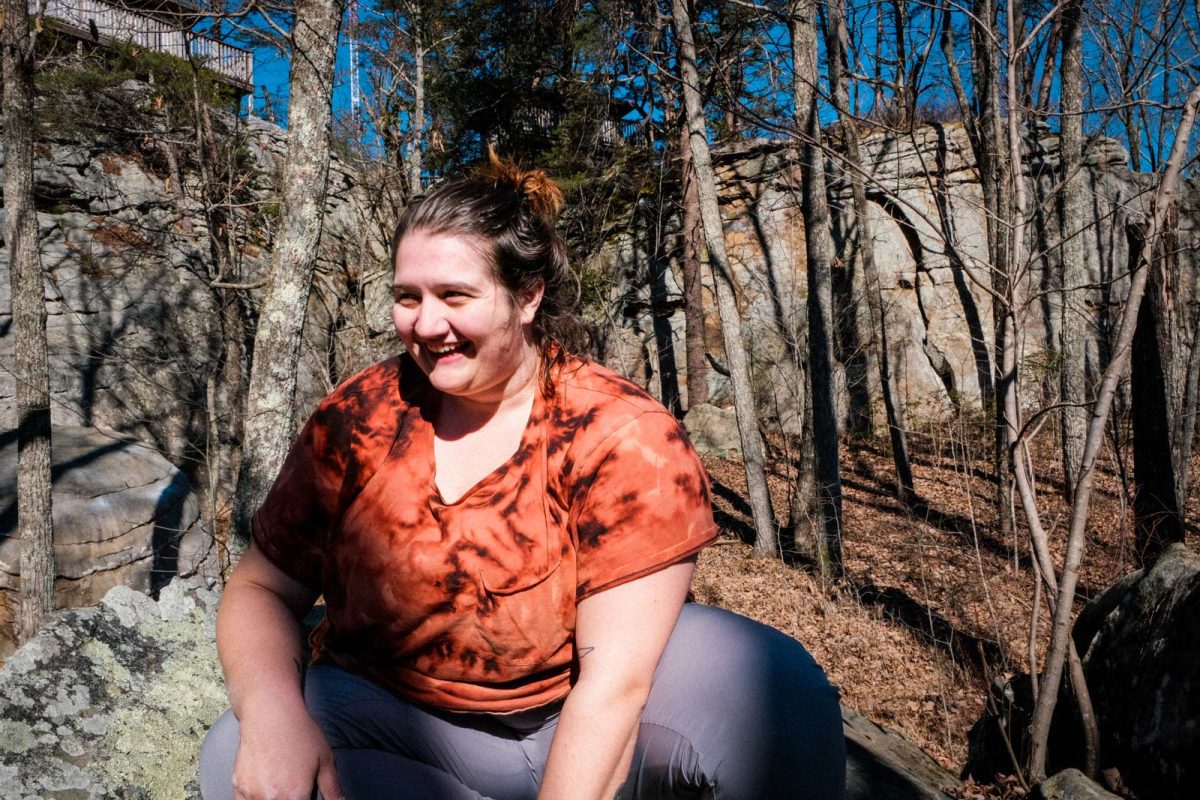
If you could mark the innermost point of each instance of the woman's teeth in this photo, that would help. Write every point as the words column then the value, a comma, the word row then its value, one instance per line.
column 447, row 349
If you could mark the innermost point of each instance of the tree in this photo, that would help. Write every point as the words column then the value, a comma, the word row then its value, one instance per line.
column 837, row 41
column 766, row 540
column 802, row 27
column 1060, row 641
column 32, row 368
column 271, row 393
column 1073, row 204
column 35, row 524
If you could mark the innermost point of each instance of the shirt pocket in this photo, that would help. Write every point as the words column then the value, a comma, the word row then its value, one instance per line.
column 527, row 618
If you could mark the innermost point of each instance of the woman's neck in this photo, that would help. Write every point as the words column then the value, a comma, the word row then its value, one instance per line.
column 460, row 416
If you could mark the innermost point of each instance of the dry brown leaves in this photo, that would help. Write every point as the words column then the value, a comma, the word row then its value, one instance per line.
column 935, row 604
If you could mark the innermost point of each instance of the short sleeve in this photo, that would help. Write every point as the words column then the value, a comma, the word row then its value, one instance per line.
column 642, row 503
column 292, row 525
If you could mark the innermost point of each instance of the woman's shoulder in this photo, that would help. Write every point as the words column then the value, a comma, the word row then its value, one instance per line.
column 390, row 382
column 594, row 403
column 370, row 404
column 586, row 384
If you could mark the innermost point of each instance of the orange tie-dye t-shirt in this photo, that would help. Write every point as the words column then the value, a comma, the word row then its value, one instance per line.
column 470, row 606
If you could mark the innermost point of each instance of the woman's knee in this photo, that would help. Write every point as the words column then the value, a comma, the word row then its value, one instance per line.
column 754, row 706
column 217, row 755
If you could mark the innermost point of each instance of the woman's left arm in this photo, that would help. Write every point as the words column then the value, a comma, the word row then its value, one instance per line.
column 620, row 634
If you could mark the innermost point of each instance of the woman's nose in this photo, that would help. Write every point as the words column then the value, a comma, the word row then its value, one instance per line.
column 431, row 321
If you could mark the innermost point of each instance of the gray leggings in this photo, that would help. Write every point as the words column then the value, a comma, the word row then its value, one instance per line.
column 738, row 711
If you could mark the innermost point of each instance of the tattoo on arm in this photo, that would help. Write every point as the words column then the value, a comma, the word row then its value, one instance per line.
column 583, row 652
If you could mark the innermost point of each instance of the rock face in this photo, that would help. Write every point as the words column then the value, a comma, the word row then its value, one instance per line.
column 113, row 701
column 1141, row 651
column 123, row 515
column 936, row 297
column 135, row 326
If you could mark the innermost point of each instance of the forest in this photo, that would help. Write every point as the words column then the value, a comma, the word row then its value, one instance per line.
column 919, row 278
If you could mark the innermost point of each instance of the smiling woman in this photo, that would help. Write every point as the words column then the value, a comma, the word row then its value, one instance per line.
column 504, row 534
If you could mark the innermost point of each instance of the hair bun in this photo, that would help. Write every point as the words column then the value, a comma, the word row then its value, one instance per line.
column 543, row 193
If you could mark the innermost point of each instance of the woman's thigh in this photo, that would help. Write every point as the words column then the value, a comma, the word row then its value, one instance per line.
column 385, row 747
column 481, row 752
column 738, row 711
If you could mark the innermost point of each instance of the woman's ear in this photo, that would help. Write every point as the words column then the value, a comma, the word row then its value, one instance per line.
column 529, row 301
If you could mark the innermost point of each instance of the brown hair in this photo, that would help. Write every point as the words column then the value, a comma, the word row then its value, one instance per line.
column 514, row 210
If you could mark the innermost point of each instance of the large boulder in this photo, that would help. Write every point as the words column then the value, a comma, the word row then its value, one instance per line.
column 713, row 431
column 114, row 700
column 1141, row 653
column 123, row 515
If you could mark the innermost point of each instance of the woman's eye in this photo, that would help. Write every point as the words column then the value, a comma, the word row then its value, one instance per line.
column 404, row 299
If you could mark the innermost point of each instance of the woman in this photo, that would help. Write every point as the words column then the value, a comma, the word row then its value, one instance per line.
column 504, row 535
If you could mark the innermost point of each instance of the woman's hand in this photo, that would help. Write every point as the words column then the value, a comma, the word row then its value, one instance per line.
column 282, row 756
column 620, row 635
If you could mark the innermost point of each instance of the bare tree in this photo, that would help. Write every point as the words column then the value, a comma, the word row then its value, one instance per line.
column 1164, row 199
column 271, row 393
column 836, row 49
column 693, row 292
column 802, row 28
column 766, row 540
column 1073, row 203
column 32, row 368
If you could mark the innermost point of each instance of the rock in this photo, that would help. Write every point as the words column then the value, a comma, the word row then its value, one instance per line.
column 713, row 431
column 1071, row 784
column 1143, row 670
column 114, row 700
column 883, row 765
column 123, row 515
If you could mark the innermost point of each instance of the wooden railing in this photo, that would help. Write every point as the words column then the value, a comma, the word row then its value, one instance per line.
column 108, row 23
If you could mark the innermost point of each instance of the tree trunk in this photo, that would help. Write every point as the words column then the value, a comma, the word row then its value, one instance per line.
column 693, row 289
column 837, row 46
column 990, row 146
column 1160, row 458
column 1073, row 203
column 1016, row 310
column 802, row 24
column 31, row 362
column 271, row 394
column 416, row 125
column 1076, row 539
column 766, row 540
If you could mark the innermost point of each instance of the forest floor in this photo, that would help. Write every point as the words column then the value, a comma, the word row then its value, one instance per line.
column 935, row 606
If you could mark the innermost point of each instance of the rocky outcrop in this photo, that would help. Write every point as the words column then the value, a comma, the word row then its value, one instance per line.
column 1141, row 655
column 123, row 516
column 113, row 701
column 936, row 290
column 136, row 326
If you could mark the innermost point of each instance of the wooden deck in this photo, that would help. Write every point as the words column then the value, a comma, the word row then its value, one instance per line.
column 106, row 24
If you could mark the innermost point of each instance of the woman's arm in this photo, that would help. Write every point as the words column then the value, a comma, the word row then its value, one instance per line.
column 282, row 753
column 620, row 635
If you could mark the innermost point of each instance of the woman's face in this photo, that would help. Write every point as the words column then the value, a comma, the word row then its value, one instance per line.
column 463, row 328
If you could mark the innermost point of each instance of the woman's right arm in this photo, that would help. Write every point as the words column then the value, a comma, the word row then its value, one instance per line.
column 282, row 754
